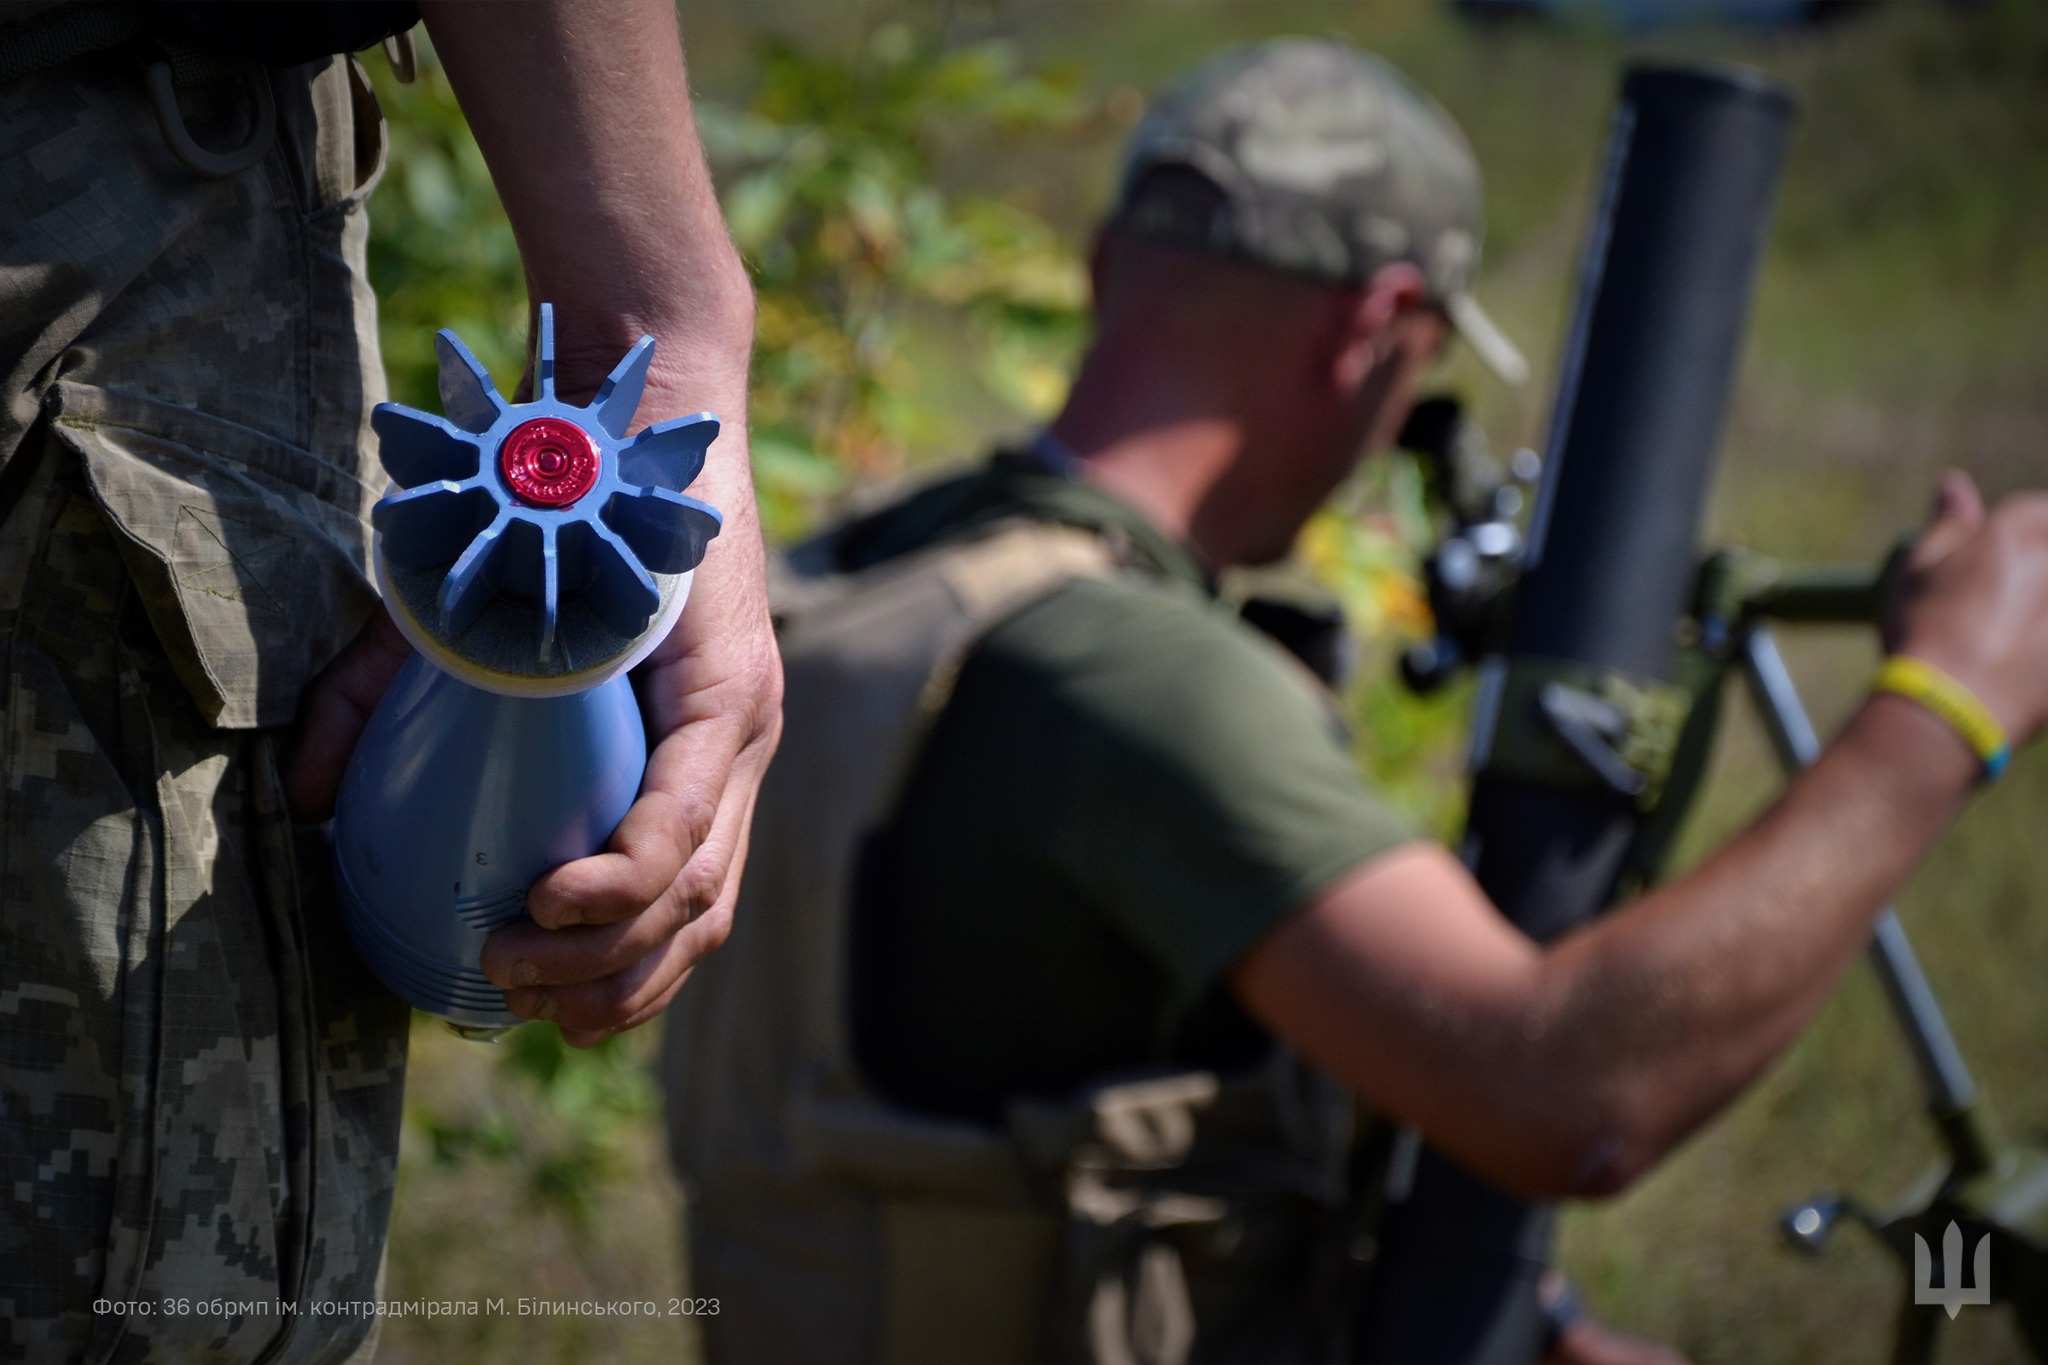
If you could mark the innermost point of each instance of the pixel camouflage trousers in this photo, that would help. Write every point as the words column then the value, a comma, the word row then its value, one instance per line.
column 199, row 1083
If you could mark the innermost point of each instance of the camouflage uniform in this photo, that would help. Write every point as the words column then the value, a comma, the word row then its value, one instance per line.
column 199, row 1084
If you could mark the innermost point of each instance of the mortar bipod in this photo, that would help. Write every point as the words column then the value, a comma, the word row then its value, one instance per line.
column 1989, row 1195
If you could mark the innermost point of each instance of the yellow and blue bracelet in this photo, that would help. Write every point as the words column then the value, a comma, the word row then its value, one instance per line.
column 1958, row 705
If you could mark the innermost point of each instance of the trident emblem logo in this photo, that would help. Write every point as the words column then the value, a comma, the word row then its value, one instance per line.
column 1951, row 1295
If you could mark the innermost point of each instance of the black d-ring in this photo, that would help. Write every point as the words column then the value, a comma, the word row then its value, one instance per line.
column 163, row 96
column 403, row 56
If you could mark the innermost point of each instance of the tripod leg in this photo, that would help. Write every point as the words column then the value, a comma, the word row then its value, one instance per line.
column 1950, row 1089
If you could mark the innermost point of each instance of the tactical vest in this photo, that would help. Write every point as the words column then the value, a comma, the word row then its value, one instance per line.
column 1153, row 1221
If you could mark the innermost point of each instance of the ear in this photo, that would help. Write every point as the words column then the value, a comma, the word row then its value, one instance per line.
column 1366, row 318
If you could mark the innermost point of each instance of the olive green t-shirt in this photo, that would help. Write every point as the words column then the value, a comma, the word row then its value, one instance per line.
column 1127, row 789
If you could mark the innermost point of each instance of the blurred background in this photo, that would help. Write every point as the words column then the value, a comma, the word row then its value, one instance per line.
column 913, row 187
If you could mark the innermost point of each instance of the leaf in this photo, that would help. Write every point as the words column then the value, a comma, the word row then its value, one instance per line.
column 792, row 466
column 732, row 136
column 756, row 207
column 430, row 188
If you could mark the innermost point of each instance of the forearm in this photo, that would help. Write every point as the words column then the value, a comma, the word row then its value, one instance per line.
column 1668, row 1008
column 582, row 111
column 1569, row 1070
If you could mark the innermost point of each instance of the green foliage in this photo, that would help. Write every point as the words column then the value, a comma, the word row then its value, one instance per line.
column 830, row 176
column 1364, row 546
column 558, row 1117
column 834, row 197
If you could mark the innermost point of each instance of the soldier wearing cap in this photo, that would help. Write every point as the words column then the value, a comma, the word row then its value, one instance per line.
column 1062, row 875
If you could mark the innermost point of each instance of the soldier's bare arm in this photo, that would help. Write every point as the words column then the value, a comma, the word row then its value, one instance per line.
column 582, row 112
column 1569, row 1071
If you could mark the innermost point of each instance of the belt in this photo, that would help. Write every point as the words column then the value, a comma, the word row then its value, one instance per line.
column 170, row 63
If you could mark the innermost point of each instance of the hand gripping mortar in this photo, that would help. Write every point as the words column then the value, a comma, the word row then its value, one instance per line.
column 532, row 554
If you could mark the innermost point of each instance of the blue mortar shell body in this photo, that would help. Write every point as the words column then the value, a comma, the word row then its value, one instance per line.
column 460, row 796
column 456, row 801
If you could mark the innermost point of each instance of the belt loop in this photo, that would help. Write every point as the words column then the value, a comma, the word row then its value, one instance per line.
column 163, row 98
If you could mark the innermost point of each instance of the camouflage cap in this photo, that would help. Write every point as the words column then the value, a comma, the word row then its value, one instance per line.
column 1329, row 163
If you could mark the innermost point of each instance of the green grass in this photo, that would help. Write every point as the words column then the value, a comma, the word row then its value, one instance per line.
column 1902, row 324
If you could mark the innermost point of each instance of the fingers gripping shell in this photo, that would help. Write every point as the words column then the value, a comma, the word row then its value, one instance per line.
column 532, row 548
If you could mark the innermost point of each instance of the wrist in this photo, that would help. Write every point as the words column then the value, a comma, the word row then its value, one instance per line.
column 1938, row 691
column 708, row 300
column 699, row 309
column 698, row 365
column 1914, row 757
